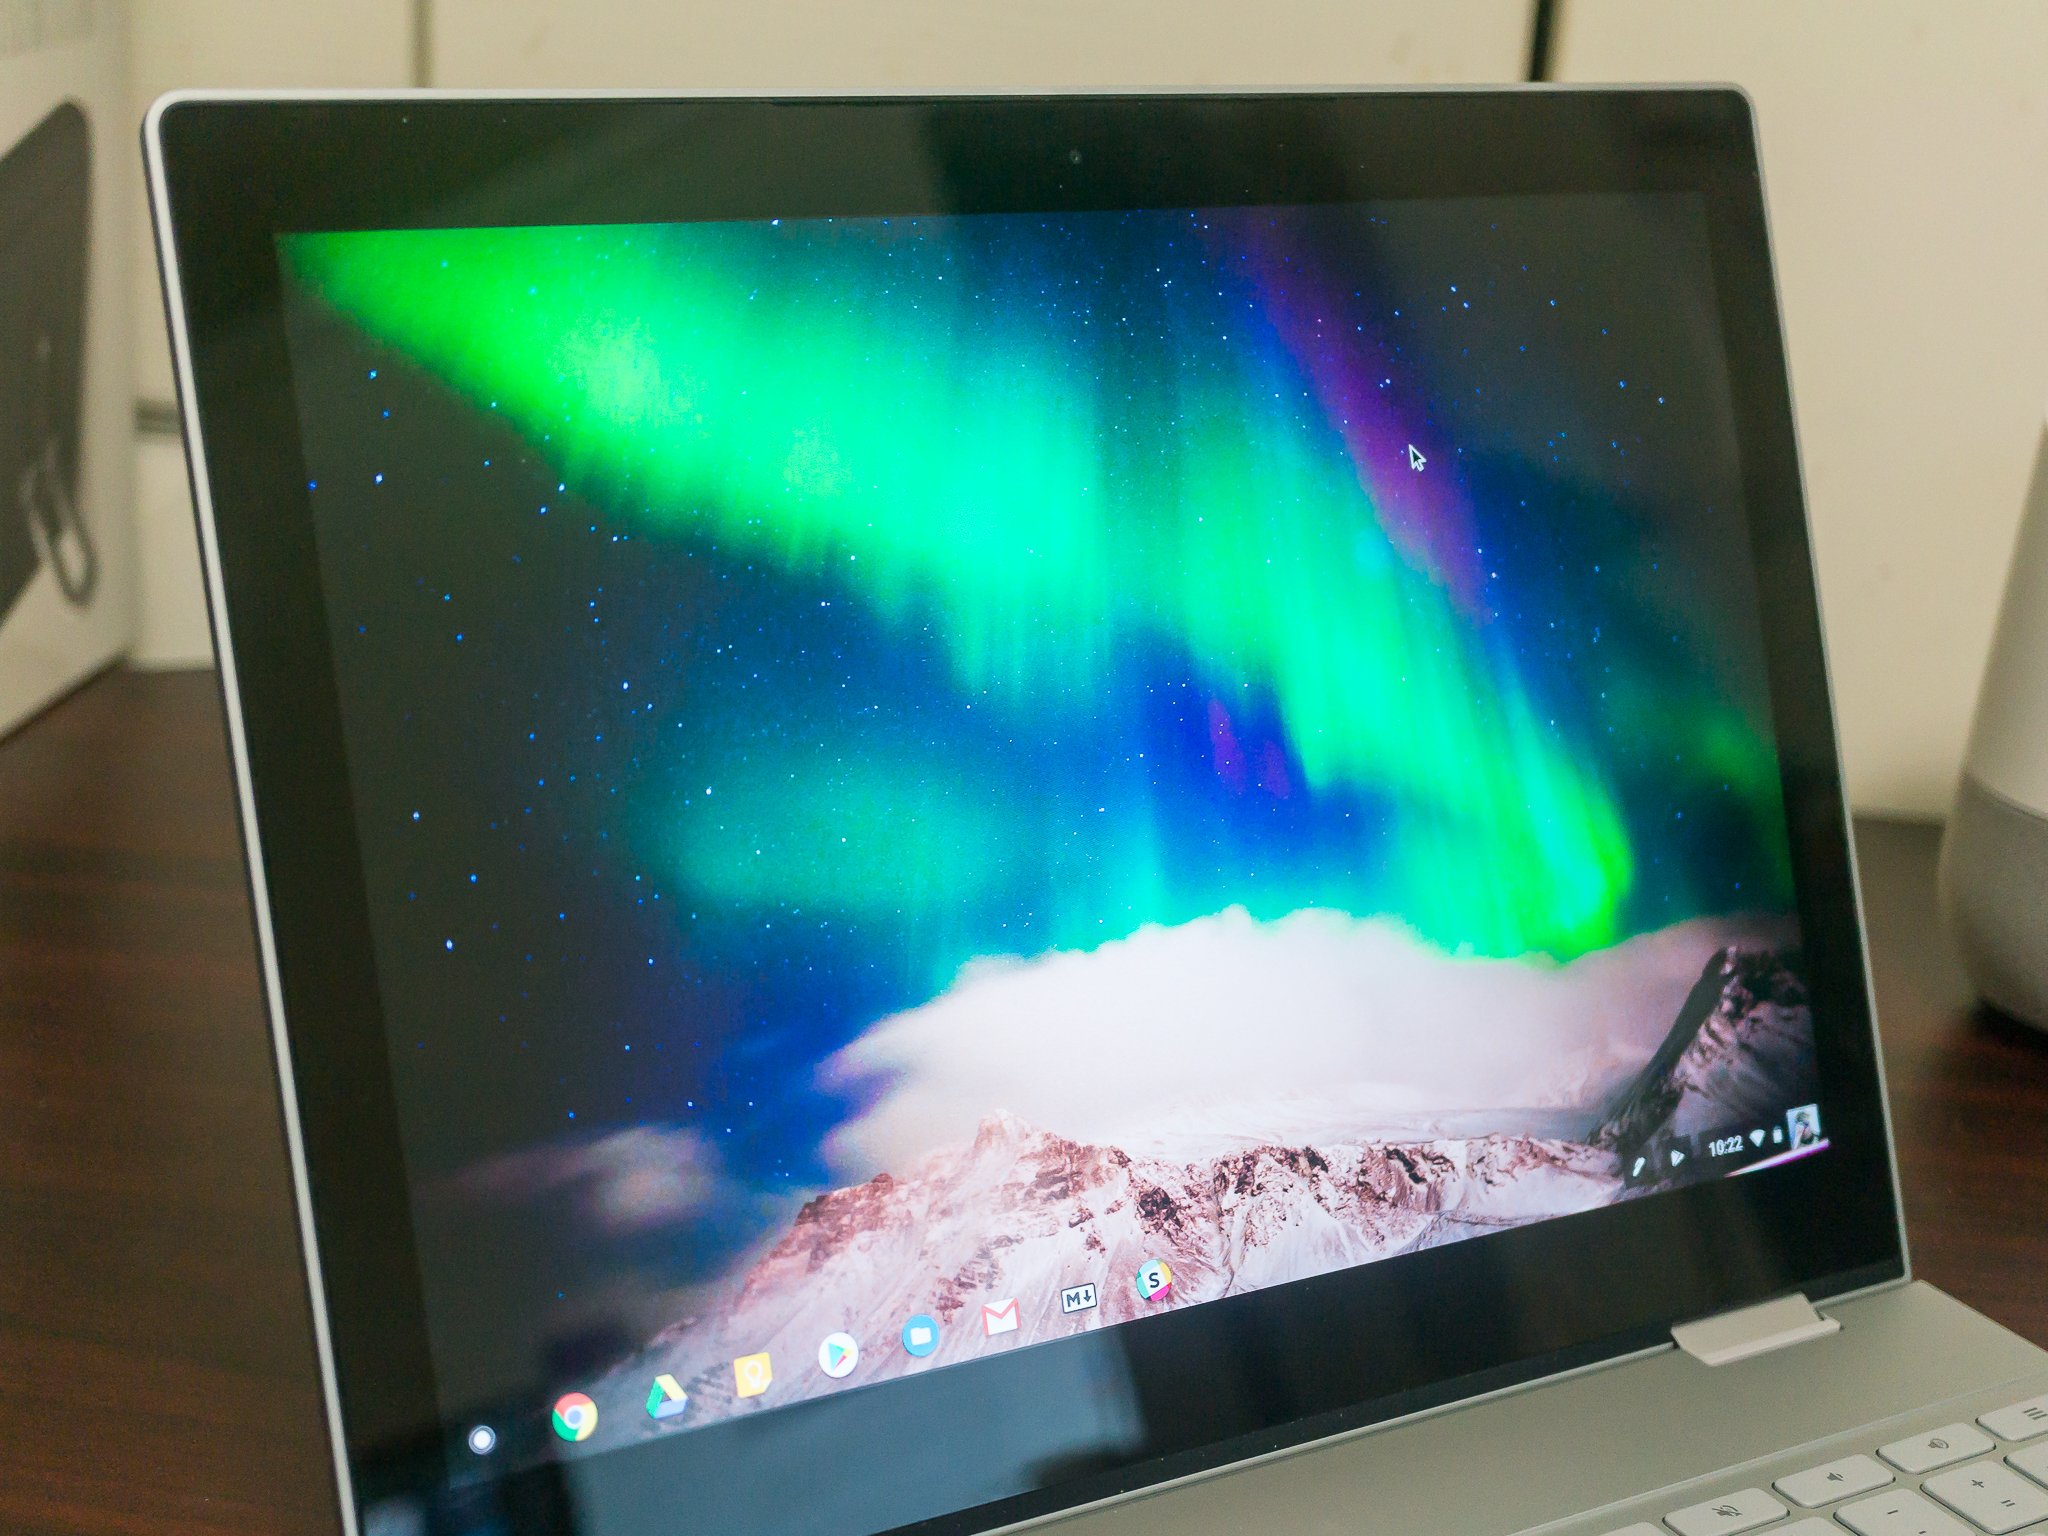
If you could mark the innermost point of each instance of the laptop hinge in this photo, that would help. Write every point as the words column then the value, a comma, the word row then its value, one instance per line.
column 1730, row 1336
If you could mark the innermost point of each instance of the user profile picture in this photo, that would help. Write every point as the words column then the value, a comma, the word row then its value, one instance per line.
column 1803, row 1126
column 921, row 1335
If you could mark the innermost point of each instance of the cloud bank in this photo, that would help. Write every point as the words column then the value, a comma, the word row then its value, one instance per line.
column 1229, row 1028
column 630, row 1180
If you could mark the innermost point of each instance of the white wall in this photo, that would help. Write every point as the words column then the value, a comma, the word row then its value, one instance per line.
column 1905, row 144
column 974, row 44
column 1905, row 148
column 758, row 44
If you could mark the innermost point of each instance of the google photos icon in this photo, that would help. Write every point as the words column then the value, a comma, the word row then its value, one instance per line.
column 667, row 1398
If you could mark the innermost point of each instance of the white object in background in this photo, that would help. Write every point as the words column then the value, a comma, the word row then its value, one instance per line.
column 1905, row 156
column 67, row 168
column 238, row 44
column 1994, row 856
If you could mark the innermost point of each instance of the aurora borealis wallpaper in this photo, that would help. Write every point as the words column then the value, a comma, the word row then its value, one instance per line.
column 746, row 631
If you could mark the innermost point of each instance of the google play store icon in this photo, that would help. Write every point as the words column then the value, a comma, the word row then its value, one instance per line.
column 838, row 1355
column 667, row 1398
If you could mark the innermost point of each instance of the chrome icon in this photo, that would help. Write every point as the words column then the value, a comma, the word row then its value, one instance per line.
column 575, row 1416
column 1154, row 1279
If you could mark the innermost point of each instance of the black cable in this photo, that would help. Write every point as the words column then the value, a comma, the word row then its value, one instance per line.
column 1542, row 37
column 48, row 500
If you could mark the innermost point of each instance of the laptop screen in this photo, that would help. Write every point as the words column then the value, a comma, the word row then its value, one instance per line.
column 931, row 788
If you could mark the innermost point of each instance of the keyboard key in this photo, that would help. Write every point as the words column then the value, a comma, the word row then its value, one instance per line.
column 1743, row 1511
column 1842, row 1479
column 1640, row 1528
column 1990, row 1496
column 1903, row 1513
column 2022, row 1421
column 2033, row 1462
column 1937, row 1448
column 1812, row 1525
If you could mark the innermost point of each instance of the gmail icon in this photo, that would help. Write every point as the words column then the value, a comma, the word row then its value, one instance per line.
column 999, row 1317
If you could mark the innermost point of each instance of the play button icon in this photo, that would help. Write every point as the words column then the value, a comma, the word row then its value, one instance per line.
column 838, row 1355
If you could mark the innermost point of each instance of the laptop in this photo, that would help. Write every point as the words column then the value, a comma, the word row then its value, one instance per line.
column 968, row 812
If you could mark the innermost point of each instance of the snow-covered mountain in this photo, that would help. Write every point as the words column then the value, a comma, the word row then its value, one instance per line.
column 1740, row 1051
column 1021, row 1213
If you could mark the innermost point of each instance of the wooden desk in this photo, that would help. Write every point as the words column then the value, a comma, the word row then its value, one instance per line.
column 156, row 1361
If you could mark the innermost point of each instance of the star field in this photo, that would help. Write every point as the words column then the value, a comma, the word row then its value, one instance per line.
column 741, row 627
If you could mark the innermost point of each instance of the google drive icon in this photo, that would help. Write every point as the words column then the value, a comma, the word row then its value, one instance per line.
column 667, row 1398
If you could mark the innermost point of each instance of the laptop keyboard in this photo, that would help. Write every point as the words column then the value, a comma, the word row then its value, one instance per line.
column 1962, row 1479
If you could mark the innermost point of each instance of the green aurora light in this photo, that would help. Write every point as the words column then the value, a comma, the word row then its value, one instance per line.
column 1041, row 489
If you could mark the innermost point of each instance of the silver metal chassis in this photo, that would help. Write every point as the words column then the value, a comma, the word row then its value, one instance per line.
column 1527, row 1460
column 1585, row 1454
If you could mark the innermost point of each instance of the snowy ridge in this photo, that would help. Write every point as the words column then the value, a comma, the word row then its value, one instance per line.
column 1019, row 1212
column 1022, row 1213
column 1740, row 1050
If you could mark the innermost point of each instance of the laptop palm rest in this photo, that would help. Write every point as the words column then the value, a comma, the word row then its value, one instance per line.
column 1540, row 1458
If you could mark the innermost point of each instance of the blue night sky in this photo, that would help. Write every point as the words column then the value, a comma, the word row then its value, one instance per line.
column 709, row 694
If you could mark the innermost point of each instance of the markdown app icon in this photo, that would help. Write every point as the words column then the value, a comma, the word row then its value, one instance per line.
column 667, row 1399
